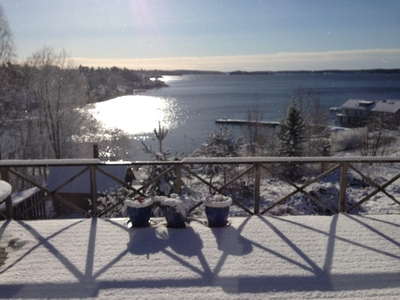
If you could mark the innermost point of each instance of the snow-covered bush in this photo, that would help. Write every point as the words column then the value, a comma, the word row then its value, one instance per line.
column 344, row 140
column 112, row 199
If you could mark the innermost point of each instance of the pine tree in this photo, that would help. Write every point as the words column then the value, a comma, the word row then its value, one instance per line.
column 221, row 143
column 292, row 132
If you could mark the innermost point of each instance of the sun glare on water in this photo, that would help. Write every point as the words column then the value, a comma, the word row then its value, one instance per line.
column 136, row 114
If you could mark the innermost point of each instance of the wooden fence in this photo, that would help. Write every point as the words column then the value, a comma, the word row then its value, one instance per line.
column 255, row 168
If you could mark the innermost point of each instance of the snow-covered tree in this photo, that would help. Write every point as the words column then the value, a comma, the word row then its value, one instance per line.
column 316, row 119
column 58, row 91
column 115, row 144
column 164, row 186
column 221, row 143
column 292, row 132
column 7, row 53
column 7, row 47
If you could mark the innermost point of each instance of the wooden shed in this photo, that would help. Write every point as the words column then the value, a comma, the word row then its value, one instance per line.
column 78, row 191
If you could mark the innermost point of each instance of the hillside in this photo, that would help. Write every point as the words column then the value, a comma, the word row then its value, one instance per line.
column 108, row 83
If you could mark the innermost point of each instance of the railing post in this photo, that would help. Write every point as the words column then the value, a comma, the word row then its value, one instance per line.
column 93, row 190
column 343, row 184
column 257, row 177
column 5, row 176
column 178, row 170
column 95, row 151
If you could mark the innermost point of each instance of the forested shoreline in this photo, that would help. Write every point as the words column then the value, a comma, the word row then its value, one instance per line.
column 108, row 83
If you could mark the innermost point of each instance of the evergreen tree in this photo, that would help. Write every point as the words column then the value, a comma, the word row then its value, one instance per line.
column 221, row 143
column 292, row 132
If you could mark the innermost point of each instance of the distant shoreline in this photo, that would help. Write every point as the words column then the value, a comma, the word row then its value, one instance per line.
column 367, row 71
column 160, row 73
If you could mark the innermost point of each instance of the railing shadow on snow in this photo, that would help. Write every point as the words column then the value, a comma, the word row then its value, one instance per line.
column 251, row 169
column 89, row 281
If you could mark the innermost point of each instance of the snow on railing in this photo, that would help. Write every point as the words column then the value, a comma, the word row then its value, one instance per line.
column 256, row 168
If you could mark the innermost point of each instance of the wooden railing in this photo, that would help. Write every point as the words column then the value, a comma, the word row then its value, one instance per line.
column 255, row 168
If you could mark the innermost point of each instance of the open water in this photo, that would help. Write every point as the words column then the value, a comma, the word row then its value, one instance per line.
column 192, row 103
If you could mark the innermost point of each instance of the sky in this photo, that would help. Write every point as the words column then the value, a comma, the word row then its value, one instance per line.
column 220, row 35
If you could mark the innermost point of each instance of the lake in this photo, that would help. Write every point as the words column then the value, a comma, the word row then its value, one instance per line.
column 192, row 103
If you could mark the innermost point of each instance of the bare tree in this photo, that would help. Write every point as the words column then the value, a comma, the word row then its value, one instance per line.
column 376, row 138
column 58, row 91
column 7, row 53
column 7, row 47
column 313, row 113
column 254, row 132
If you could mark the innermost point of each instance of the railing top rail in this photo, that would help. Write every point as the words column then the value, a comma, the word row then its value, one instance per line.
column 201, row 160
column 319, row 159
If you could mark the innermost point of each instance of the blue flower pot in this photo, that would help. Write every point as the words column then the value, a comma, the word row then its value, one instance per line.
column 174, row 219
column 217, row 216
column 139, row 217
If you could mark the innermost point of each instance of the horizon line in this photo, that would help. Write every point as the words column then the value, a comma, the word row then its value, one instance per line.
column 278, row 62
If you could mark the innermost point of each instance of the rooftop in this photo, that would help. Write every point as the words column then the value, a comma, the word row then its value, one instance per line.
column 340, row 256
column 386, row 105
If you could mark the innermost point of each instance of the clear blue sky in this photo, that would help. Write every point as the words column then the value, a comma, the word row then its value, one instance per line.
column 212, row 34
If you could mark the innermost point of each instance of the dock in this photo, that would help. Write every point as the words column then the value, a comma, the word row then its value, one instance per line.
column 246, row 122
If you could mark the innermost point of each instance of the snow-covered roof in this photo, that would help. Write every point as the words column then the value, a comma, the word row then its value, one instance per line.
column 388, row 106
column 19, row 197
column 46, row 162
column 81, row 185
column 294, row 257
column 5, row 190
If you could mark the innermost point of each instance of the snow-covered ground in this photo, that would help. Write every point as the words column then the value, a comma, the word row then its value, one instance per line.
column 292, row 257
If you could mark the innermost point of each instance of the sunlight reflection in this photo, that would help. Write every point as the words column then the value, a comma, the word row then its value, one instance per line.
column 137, row 114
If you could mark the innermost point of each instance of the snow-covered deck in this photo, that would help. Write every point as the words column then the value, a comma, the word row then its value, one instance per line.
column 343, row 256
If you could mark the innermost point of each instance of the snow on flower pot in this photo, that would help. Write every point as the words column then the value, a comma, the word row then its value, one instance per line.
column 217, row 210
column 175, row 209
column 139, row 212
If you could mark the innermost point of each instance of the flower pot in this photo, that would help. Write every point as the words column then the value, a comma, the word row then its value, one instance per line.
column 174, row 218
column 175, row 208
column 217, row 216
column 139, row 213
column 139, row 217
column 217, row 210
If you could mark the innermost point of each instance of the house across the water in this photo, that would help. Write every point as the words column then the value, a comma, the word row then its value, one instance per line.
column 356, row 112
